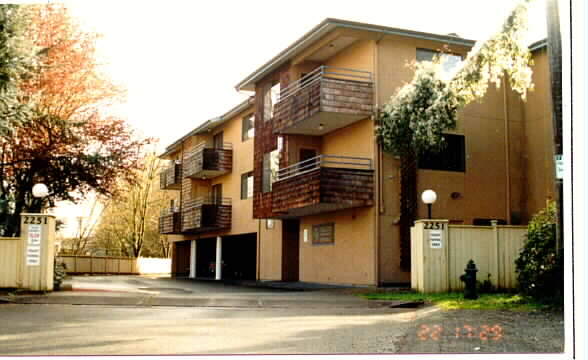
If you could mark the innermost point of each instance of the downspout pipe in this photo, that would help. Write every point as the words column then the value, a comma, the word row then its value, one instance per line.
column 258, row 249
column 378, row 172
column 507, row 153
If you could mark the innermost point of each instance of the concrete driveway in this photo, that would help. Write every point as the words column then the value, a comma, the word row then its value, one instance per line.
column 165, row 291
column 132, row 315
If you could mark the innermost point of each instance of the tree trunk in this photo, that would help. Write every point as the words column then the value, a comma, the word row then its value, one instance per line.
column 408, row 205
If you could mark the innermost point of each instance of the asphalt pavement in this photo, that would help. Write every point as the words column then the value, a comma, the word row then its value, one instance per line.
column 134, row 315
column 165, row 291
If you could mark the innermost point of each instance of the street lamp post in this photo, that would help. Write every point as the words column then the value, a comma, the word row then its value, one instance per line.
column 429, row 197
column 40, row 190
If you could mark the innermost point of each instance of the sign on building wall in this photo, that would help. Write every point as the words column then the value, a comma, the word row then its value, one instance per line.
column 559, row 167
column 436, row 239
column 34, row 245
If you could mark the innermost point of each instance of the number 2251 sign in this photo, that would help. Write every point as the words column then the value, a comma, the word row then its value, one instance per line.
column 435, row 234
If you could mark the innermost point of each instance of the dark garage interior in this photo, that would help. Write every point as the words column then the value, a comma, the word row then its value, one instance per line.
column 239, row 255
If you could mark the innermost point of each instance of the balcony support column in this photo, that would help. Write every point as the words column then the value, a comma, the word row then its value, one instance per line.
column 193, row 259
column 219, row 255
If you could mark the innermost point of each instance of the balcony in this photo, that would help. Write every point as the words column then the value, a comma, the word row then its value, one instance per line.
column 327, row 99
column 323, row 184
column 206, row 214
column 171, row 177
column 170, row 221
column 208, row 162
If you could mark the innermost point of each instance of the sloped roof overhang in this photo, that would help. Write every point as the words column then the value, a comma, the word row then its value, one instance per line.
column 328, row 25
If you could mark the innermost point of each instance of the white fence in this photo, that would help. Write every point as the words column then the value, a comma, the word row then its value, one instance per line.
column 115, row 265
column 440, row 252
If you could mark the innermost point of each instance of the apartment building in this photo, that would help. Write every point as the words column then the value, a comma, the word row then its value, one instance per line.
column 321, row 180
column 210, row 221
column 318, row 168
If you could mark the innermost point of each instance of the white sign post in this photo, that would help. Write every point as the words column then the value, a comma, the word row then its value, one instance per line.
column 34, row 245
column 436, row 239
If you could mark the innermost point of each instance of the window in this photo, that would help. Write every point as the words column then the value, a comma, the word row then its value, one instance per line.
column 248, row 128
column 247, row 185
column 216, row 195
column 271, row 164
column 173, row 206
column 323, row 234
column 217, row 140
column 451, row 158
column 450, row 62
column 271, row 96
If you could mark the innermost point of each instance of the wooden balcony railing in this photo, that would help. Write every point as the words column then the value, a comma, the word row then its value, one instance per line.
column 208, row 162
column 323, row 184
column 171, row 177
column 206, row 214
column 325, row 100
column 170, row 221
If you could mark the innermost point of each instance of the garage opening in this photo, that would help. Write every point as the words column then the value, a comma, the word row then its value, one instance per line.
column 205, row 257
column 239, row 257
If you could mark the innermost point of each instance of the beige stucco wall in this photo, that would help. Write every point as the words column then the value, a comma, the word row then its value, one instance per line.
column 358, row 56
column 242, row 221
column 350, row 260
column 270, row 251
column 356, row 140
column 393, row 56
column 539, row 137
column 483, row 185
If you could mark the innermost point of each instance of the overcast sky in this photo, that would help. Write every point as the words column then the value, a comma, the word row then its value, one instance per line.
column 180, row 60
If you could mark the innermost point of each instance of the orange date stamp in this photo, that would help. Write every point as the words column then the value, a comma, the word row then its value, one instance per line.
column 482, row 332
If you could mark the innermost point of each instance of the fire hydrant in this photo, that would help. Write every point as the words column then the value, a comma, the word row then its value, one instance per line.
column 469, row 278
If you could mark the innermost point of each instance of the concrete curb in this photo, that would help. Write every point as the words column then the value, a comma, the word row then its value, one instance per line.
column 153, row 300
column 6, row 300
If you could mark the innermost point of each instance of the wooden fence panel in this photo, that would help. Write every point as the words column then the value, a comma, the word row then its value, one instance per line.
column 70, row 263
column 112, row 266
column 126, row 266
column 99, row 265
column 465, row 244
column 83, row 265
column 512, row 241
column 494, row 249
column 416, row 258
column 10, row 262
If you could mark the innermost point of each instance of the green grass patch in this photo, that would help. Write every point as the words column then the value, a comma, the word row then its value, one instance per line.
column 455, row 300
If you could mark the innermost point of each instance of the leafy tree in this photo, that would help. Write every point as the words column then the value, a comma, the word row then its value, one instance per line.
column 539, row 265
column 67, row 142
column 16, row 60
column 414, row 120
column 130, row 224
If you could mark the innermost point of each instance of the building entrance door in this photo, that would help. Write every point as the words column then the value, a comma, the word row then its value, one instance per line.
column 290, row 250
